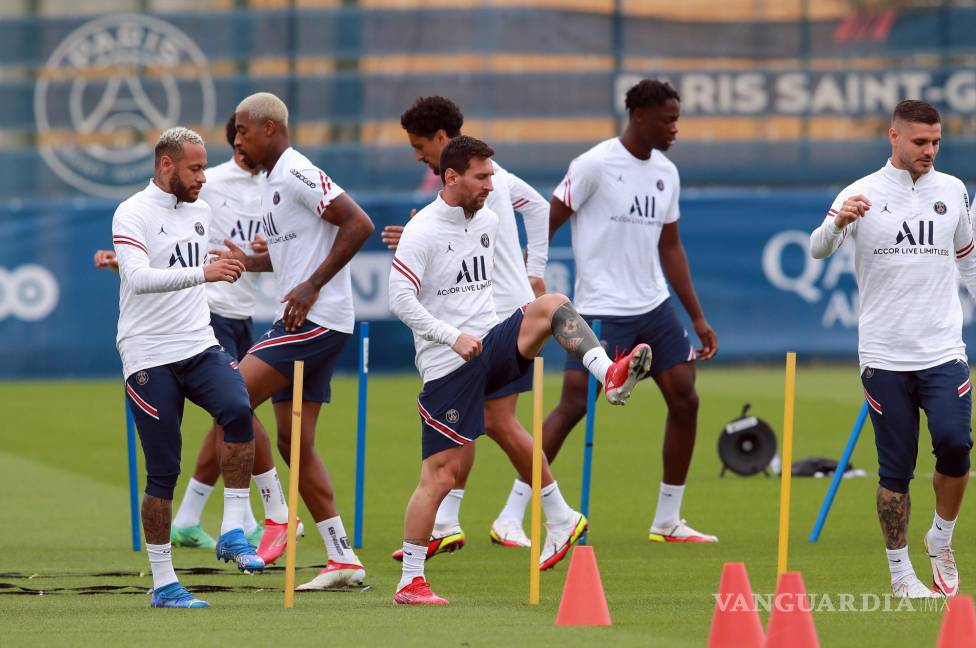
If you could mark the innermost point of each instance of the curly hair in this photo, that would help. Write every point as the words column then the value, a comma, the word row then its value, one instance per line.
column 430, row 114
column 650, row 92
column 230, row 129
column 459, row 151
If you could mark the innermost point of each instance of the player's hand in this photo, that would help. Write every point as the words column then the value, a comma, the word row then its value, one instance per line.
column 106, row 259
column 232, row 252
column 853, row 208
column 259, row 245
column 708, row 339
column 298, row 302
column 538, row 285
column 391, row 233
column 467, row 346
column 228, row 270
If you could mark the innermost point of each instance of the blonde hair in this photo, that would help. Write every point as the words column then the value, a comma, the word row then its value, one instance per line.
column 264, row 105
column 171, row 141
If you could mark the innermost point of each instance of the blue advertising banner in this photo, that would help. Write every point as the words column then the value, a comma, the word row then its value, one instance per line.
column 761, row 291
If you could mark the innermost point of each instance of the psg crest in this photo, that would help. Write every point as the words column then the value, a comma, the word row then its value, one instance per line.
column 276, row 199
column 452, row 416
column 939, row 208
column 484, row 240
column 142, row 377
column 199, row 228
column 660, row 185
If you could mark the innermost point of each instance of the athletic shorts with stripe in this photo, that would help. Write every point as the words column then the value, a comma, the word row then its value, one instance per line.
column 156, row 397
column 660, row 328
column 894, row 400
column 452, row 408
column 235, row 336
column 316, row 345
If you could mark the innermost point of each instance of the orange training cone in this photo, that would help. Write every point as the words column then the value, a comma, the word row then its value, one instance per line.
column 958, row 624
column 583, row 602
column 735, row 621
column 791, row 619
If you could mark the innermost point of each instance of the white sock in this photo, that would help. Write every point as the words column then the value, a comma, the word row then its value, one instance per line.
column 940, row 535
column 235, row 504
column 597, row 362
column 668, row 506
column 336, row 541
column 194, row 499
column 161, row 562
column 448, row 513
column 555, row 507
column 899, row 564
column 413, row 563
column 518, row 500
column 250, row 523
column 273, row 497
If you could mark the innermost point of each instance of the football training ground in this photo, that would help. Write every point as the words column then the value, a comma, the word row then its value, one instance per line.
column 65, row 529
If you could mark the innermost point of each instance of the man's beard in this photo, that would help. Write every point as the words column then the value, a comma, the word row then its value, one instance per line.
column 178, row 189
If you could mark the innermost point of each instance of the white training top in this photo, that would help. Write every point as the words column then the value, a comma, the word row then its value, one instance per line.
column 441, row 282
column 907, row 248
column 295, row 198
column 234, row 196
column 160, row 245
column 620, row 204
column 511, row 283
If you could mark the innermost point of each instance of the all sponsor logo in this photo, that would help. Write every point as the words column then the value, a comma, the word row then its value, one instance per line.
column 97, row 109
column 187, row 255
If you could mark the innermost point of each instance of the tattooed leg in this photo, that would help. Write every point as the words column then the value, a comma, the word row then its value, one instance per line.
column 893, row 512
column 236, row 463
column 554, row 315
column 157, row 514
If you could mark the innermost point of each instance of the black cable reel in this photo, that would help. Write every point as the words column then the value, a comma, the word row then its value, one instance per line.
column 746, row 445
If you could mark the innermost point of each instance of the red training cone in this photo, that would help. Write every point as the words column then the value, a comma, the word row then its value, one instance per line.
column 735, row 621
column 958, row 624
column 791, row 619
column 583, row 602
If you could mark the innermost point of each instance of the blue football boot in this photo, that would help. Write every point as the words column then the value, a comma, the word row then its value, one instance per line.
column 234, row 546
column 175, row 595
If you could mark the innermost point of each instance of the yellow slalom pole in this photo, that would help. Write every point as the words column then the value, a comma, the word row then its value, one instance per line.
column 536, row 532
column 786, row 475
column 296, row 450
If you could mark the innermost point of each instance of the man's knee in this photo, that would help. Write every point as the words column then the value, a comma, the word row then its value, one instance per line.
column 684, row 404
column 952, row 458
column 162, row 483
column 236, row 420
column 440, row 479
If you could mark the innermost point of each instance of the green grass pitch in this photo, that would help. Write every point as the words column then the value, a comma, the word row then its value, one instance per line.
column 65, row 515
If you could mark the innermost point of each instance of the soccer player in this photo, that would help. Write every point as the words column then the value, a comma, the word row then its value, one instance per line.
column 911, row 231
column 169, row 352
column 622, row 199
column 233, row 191
column 430, row 124
column 441, row 287
column 313, row 229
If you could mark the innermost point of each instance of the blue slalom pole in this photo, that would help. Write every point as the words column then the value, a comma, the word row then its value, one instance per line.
column 839, row 473
column 591, row 391
column 130, row 434
column 357, row 541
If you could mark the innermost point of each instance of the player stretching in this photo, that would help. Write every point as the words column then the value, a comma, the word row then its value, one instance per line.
column 622, row 196
column 911, row 232
column 430, row 124
column 169, row 352
column 313, row 229
column 441, row 287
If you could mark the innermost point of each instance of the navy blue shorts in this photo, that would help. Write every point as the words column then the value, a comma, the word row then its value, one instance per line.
column 521, row 384
column 895, row 398
column 156, row 396
column 236, row 336
column 660, row 328
column 452, row 408
column 316, row 345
